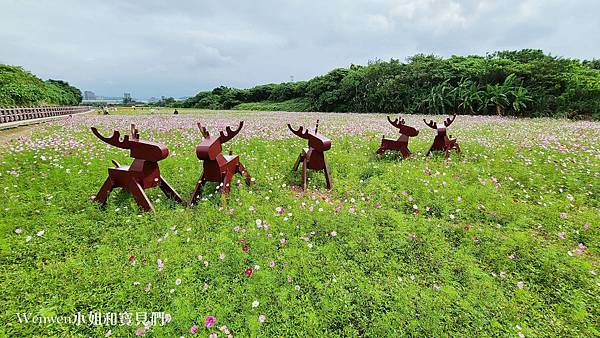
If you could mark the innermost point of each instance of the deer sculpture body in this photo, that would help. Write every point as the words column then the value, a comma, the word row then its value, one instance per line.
column 216, row 166
column 401, row 144
column 443, row 141
column 313, row 157
column 142, row 174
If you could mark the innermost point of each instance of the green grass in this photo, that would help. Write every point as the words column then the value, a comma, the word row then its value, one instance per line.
column 293, row 105
column 486, row 223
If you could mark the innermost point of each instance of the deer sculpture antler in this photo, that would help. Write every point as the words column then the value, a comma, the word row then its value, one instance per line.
column 397, row 122
column 449, row 121
column 230, row 133
column 404, row 129
column 431, row 124
column 301, row 132
column 203, row 130
column 114, row 140
column 135, row 134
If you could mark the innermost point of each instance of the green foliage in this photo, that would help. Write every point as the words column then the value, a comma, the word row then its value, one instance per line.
column 517, row 83
column 19, row 87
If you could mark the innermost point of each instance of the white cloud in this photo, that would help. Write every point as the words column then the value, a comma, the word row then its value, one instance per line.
column 153, row 47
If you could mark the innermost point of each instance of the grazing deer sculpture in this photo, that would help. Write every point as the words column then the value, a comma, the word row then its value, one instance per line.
column 142, row 174
column 313, row 157
column 401, row 144
column 216, row 166
column 443, row 141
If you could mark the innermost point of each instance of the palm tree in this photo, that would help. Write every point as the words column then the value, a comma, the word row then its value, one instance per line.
column 499, row 94
column 496, row 95
column 439, row 98
column 468, row 95
column 520, row 98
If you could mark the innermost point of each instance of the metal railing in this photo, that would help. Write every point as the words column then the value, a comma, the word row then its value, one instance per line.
column 15, row 114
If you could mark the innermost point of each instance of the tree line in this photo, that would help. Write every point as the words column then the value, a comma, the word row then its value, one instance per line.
column 517, row 83
column 19, row 87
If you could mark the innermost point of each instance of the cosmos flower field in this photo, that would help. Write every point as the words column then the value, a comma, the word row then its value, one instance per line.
column 501, row 241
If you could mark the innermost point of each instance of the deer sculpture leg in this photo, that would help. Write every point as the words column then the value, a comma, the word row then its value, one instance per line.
column 170, row 192
column 140, row 196
column 300, row 158
column 457, row 148
column 102, row 195
column 242, row 170
column 198, row 189
column 304, row 171
column 226, row 184
column 327, row 176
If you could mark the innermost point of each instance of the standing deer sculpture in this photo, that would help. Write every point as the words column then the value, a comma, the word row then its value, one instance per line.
column 313, row 157
column 443, row 141
column 401, row 144
column 216, row 166
column 142, row 174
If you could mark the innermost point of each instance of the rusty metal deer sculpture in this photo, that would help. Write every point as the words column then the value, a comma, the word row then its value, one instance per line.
column 216, row 166
column 142, row 174
column 313, row 157
column 401, row 144
column 443, row 141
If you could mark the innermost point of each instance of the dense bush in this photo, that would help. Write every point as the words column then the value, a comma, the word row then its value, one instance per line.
column 19, row 87
column 517, row 83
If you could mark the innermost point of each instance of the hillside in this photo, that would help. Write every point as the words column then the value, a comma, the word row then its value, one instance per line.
column 19, row 87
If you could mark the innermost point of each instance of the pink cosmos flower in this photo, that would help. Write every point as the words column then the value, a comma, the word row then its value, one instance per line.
column 580, row 248
column 194, row 329
column 213, row 335
column 520, row 285
column 261, row 318
column 249, row 272
column 412, row 236
column 140, row 331
column 160, row 264
column 210, row 321
column 562, row 235
column 245, row 248
column 272, row 263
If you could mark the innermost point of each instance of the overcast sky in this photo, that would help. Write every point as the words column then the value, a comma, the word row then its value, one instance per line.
column 176, row 48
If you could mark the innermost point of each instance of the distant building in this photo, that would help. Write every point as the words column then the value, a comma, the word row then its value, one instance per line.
column 127, row 98
column 89, row 95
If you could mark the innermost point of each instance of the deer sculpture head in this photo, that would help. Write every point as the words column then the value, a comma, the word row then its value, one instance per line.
column 210, row 147
column 315, row 140
column 441, row 130
column 143, row 150
column 404, row 129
